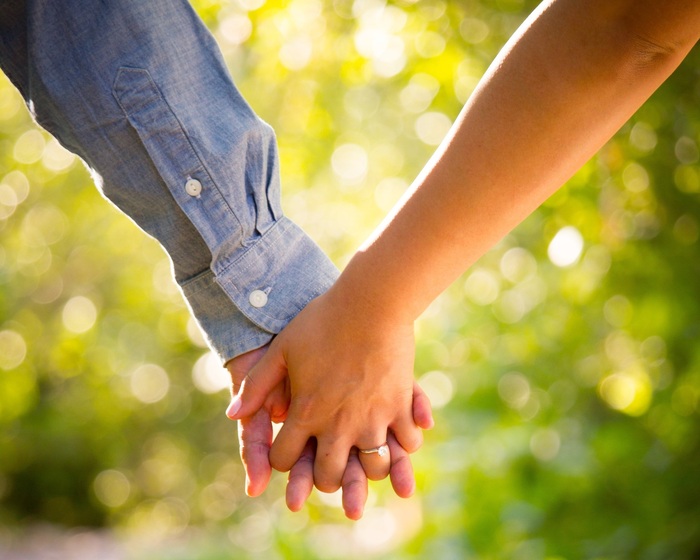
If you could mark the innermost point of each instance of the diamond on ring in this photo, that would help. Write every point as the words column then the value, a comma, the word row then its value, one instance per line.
column 382, row 450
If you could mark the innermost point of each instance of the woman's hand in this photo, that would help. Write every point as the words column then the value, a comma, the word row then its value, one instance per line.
column 351, row 382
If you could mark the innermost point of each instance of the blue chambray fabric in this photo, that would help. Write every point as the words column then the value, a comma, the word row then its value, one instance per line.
column 140, row 91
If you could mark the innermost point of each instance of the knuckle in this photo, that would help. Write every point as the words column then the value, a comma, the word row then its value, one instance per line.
column 353, row 485
column 306, row 459
column 377, row 475
column 298, row 478
column 402, row 460
column 414, row 444
column 279, row 465
column 282, row 459
column 326, row 486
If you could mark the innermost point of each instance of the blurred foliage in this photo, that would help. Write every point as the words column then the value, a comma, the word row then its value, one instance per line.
column 564, row 366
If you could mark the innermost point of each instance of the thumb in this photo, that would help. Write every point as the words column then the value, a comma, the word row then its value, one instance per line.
column 258, row 383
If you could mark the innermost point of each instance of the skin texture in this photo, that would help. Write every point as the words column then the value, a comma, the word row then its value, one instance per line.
column 565, row 82
column 255, row 440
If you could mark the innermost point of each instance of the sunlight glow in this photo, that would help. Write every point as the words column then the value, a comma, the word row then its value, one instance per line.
column 377, row 38
column 195, row 334
column 482, row 286
column 112, row 488
column 628, row 391
column 56, row 158
column 545, row 444
column 376, row 531
column 417, row 96
column 432, row 127
column 514, row 389
column 79, row 314
column 350, row 162
column 29, row 147
column 518, row 264
column 566, row 247
column 13, row 349
column 8, row 201
column 209, row 376
column 438, row 386
column 296, row 52
column 149, row 383
column 474, row 30
column 430, row 44
column 19, row 184
column 635, row 177
column 235, row 29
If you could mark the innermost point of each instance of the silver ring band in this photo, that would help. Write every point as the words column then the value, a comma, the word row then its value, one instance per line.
column 382, row 450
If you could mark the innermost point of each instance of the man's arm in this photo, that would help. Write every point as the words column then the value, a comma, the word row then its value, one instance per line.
column 140, row 91
column 568, row 79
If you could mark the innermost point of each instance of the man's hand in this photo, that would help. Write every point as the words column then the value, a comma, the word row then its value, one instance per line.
column 254, row 432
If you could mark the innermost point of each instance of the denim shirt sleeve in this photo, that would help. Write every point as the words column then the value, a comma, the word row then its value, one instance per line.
column 140, row 91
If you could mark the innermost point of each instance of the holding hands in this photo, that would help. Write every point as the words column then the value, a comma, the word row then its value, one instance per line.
column 344, row 388
column 532, row 121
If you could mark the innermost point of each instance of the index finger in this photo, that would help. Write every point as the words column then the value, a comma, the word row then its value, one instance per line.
column 255, row 438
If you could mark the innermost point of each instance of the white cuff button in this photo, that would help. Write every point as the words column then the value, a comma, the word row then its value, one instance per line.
column 193, row 187
column 257, row 298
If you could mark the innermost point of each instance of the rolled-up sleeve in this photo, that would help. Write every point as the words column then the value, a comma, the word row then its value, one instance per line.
column 140, row 91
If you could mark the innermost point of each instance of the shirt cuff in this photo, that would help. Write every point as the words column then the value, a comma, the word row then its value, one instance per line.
column 244, row 303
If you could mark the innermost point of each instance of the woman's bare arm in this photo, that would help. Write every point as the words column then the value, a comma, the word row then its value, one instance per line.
column 570, row 77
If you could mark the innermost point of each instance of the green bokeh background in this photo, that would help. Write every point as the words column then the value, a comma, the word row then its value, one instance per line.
column 567, row 397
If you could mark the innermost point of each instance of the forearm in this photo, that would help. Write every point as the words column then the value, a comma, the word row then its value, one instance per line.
column 574, row 73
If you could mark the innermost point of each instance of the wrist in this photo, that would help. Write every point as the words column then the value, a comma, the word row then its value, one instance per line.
column 363, row 292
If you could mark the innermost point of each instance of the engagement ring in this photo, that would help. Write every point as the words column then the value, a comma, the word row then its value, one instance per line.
column 382, row 450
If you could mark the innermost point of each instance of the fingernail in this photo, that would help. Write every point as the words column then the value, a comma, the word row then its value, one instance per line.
column 233, row 408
